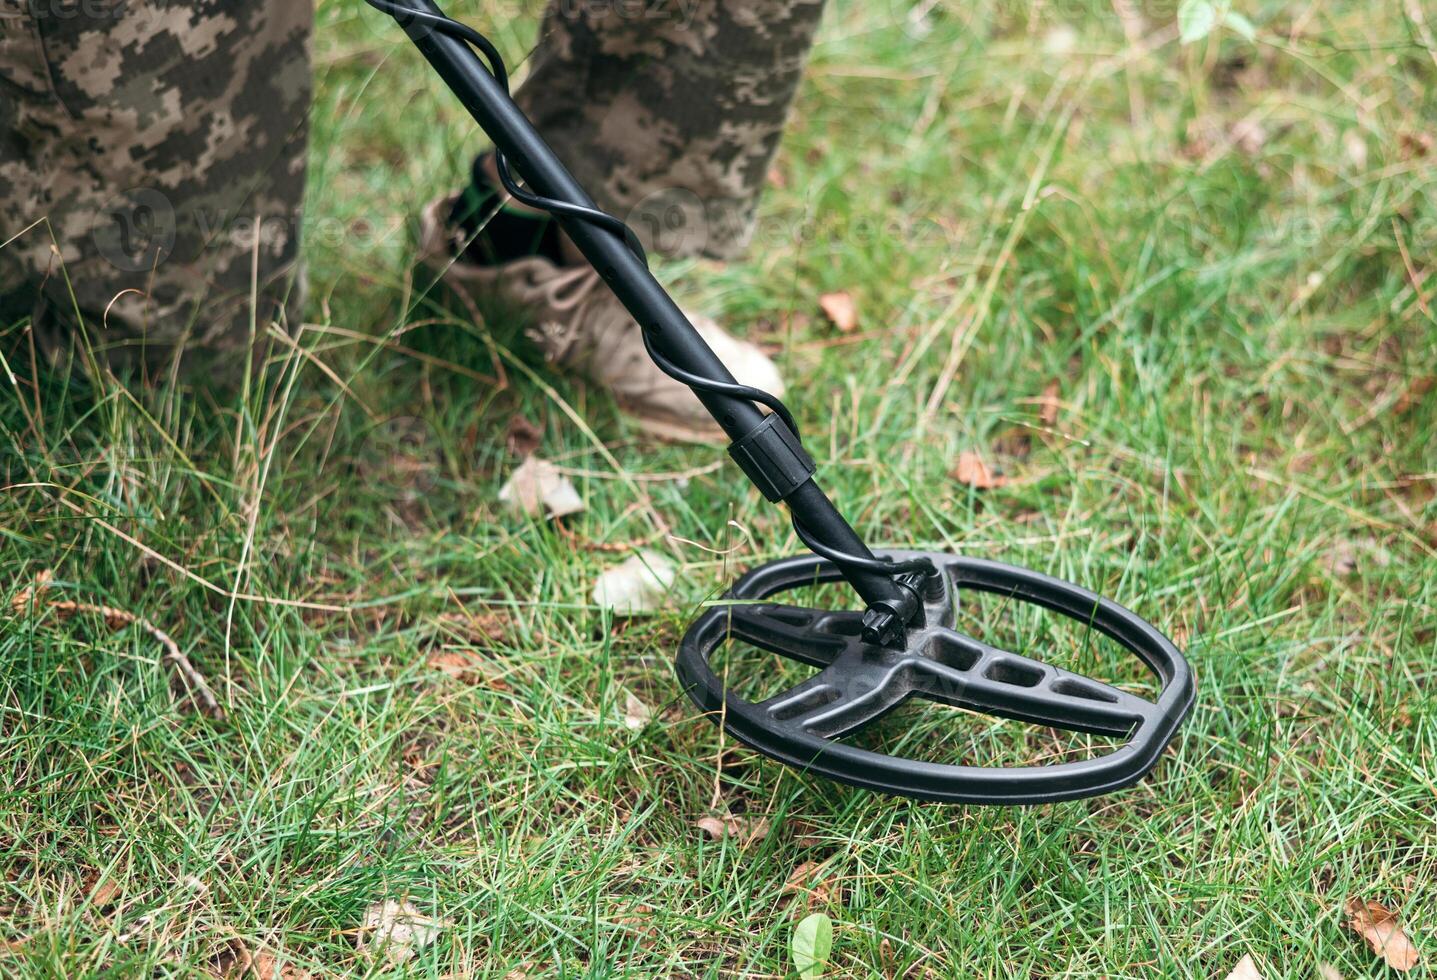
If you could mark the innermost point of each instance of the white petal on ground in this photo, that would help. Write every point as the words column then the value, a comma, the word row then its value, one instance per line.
column 537, row 487
column 744, row 830
column 636, row 713
column 1246, row 969
column 841, row 310
column 397, row 929
column 1060, row 41
column 638, row 585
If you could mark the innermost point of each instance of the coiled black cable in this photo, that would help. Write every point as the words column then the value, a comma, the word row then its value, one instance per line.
column 721, row 387
column 495, row 63
column 406, row 15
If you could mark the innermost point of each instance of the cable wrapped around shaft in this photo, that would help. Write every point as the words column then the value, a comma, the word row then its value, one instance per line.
column 407, row 16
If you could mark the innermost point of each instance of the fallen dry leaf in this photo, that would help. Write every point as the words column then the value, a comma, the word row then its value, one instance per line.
column 971, row 470
column 32, row 592
column 641, row 922
column 467, row 667
column 1328, row 972
column 1377, row 925
column 805, row 880
column 1246, row 969
column 841, row 311
column 712, row 826
column 1048, row 403
column 636, row 713
column 537, row 487
column 1198, row 138
column 104, row 894
column 1015, row 443
column 479, row 629
column 637, row 585
column 267, row 967
column 1249, row 136
column 523, row 436
column 1347, row 555
column 799, row 880
column 805, row 833
column 742, row 830
column 238, row 963
column 397, row 929
column 1415, row 393
column 1415, row 145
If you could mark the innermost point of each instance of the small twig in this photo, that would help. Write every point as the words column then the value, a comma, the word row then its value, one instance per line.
column 746, row 542
column 105, row 317
column 192, row 680
column 1412, row 275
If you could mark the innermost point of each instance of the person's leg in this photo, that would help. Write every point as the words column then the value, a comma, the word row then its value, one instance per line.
column 669, row 111
column 27, row 115
column 161, row 146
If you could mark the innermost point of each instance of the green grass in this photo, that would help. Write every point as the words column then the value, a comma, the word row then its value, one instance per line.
column 1244, row 455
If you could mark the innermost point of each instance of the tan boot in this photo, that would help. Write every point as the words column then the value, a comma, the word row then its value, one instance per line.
column 582, row 327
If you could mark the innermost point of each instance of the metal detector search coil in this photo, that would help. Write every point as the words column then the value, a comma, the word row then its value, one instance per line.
column 860, row 683
column 902, row 645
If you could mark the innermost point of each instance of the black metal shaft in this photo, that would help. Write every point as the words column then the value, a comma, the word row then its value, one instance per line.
column 624, row 273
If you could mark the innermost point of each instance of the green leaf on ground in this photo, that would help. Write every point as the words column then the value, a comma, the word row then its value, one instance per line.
column 1240, row 25
column 812, row 945
column 1196, row 19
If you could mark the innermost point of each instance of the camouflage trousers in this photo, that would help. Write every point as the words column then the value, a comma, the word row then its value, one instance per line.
column 152, row 160
column 152, row 152
column 669, row 111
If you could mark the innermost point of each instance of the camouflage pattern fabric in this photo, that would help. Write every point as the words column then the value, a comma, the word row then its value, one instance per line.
column 152, row 152
column 669, row 111
column 160, row 146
